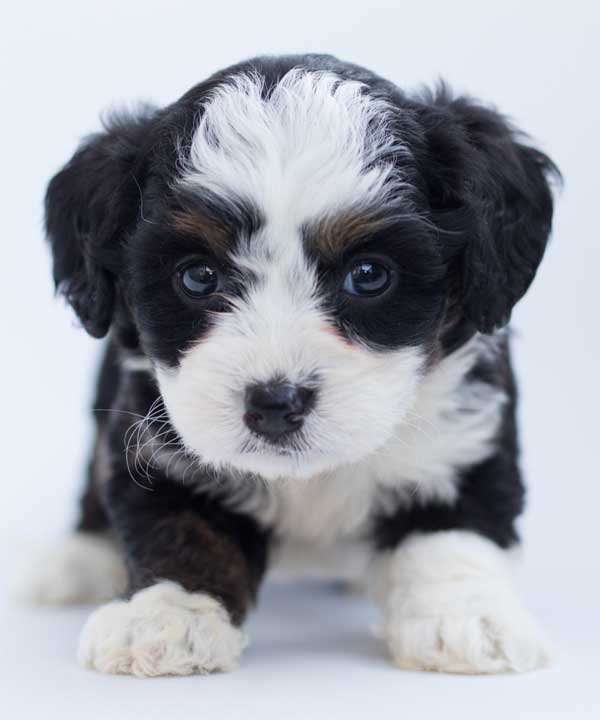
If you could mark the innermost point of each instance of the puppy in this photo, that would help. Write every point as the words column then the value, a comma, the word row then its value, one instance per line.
column 304, row 274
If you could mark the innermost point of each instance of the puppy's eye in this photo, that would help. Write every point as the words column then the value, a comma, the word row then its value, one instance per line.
column 199, row 280
column 367, row 279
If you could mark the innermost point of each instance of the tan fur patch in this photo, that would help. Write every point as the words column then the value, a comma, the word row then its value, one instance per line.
column 335, row 234
column 197, row 224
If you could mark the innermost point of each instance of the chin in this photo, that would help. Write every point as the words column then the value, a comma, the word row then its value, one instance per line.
column 283, row 466
column 304, row 273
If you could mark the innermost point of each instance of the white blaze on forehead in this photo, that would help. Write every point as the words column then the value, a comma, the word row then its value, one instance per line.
column 312, row 145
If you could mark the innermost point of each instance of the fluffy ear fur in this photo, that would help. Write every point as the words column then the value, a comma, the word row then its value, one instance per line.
column 491, row 191
column 90, row 204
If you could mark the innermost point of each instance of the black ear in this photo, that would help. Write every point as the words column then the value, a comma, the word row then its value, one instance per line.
column 493, row 189
column 90, row 205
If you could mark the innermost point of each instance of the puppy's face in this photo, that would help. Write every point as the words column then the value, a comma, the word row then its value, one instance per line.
column 297, row 258
column 300, row 288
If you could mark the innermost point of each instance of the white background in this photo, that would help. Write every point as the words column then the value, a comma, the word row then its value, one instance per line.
column 63, row 63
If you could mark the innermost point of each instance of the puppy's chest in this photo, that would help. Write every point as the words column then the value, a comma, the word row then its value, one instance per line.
column 321, row 526
column 341, row 506
column 322, row 509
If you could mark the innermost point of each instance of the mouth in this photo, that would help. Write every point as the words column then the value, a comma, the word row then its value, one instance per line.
column 284, row 445
column 273, row 462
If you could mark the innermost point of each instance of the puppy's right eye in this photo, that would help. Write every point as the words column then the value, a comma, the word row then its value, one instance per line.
column 199, row 280
column 367, row 279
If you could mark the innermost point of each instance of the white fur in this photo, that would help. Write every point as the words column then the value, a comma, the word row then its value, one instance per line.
column 314, row 145
column 85, row 568
column 162, row 630
column 450, row 606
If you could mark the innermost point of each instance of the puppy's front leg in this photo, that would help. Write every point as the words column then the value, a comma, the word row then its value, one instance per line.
column 450, row 606
column 194, row 569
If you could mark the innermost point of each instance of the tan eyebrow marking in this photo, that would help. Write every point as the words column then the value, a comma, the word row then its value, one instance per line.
column 334, row 234
column 197, row 224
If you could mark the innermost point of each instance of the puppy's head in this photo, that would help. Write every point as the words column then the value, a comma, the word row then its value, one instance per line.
column 293, row 244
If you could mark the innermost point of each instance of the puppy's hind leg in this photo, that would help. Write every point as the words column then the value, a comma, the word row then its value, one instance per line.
column 87, row 566
column 84, row 568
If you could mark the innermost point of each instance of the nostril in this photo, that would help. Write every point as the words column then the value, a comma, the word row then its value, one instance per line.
column 301, row 401
column 294, row 419
column 253, row 417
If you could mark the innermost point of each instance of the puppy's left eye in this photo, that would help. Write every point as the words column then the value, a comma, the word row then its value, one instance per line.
column 367, row 279
column 199, row 280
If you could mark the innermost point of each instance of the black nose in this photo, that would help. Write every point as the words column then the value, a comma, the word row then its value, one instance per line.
column 273, row 409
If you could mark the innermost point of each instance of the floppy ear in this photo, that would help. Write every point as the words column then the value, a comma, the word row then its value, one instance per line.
column 493, row 190
column 90, row 205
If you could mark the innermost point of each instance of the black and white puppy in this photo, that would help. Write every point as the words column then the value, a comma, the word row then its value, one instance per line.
column 305, row 273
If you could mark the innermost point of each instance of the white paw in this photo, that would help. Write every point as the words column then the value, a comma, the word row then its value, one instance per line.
column 84, row 568
column 478, row 633
column 450, row 606
column 162, row 630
